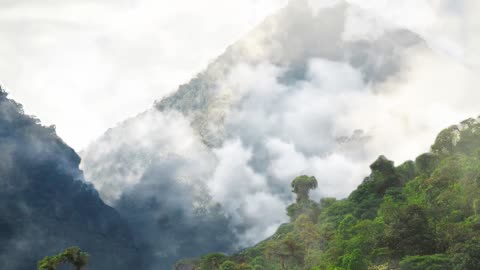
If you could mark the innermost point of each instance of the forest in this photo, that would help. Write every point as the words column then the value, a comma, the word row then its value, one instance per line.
column 420, row 215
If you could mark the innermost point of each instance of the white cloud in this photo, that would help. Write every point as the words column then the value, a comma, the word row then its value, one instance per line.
column 166, row 137
column 245, row 194
column 450, row 26
column 279, row 128
column 233, row 178
column 294, row 129
column 86, row 65
column 286, row 162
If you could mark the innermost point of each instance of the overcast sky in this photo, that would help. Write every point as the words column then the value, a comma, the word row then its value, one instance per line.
column 85, row 65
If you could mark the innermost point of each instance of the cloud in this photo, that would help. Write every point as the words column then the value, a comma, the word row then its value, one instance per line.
column 154, row 170
column 244, row 194
column 122, row 159
column 450, row 26
column 334, row 121
column 317, row 92
column 86, row 65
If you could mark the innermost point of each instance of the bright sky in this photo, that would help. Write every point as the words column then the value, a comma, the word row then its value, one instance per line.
column 85, row 65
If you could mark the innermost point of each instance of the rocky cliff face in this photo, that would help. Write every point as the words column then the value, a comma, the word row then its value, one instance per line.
column 45, row 203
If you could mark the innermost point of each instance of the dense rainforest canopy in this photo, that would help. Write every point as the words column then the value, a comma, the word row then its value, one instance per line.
column 420, row 215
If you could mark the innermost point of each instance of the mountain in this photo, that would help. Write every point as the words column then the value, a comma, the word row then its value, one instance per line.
column 420, row 215
column 290, row 39
column 45, row 203
column 192, row 173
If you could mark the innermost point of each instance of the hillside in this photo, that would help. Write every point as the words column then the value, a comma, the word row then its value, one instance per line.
column 45, row 203
column 422, row 214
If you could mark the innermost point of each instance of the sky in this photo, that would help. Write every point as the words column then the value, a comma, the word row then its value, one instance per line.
column 86, row 65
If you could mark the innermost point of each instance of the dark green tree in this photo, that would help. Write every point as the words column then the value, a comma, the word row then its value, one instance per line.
column 302, row 186
column 469, row 256
column 431, row 262
column 228, row 265
column 409, row 233
column 288, row 252
column 213, row 261
column 74, row 256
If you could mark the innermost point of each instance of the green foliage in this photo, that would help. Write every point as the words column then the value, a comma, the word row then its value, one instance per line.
column 425, row 164
column 368, row 196
column 423, row 214
column 307, row 207
column 287, row 251
column 228, row 265
column 213, row 261
column 446, row 140
column 74, row 256
column 408, row 232
column 469, row 255
column 354, row 261
column 302, row 186
column 406, row 171
column 432, row 262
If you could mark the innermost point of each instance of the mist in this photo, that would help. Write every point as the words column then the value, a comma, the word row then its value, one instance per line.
column 86, row 65
column 320, row 88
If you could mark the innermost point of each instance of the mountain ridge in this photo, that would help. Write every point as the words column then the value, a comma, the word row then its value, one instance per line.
column 46, row 203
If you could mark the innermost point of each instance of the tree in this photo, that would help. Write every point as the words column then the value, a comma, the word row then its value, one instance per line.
column 354, row 261
column 73, row 255
column 368, row 196
column 432, row 262
column 446, row 140
column 425, row 164
column 469, row 256
column 302, row 186
column 243, row 266
column 228, row 265
column 384, row 176
column 258, row 263
column 306, row 231
column 409, row 232
column 213, row 261
column 287, row 251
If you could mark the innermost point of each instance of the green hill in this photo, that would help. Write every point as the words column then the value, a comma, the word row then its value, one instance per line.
column 420, row 215
column 45, row 203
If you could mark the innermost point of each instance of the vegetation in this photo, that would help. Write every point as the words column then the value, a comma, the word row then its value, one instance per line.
column 74, row 256
column 421, row 215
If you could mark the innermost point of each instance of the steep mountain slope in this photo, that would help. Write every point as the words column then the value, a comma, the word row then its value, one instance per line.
column 206, row 158
column 291, row 39
column 420, row 215
column 46, row 205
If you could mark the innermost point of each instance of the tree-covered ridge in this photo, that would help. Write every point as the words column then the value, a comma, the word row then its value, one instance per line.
column 45, row 203
column 421, row 215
